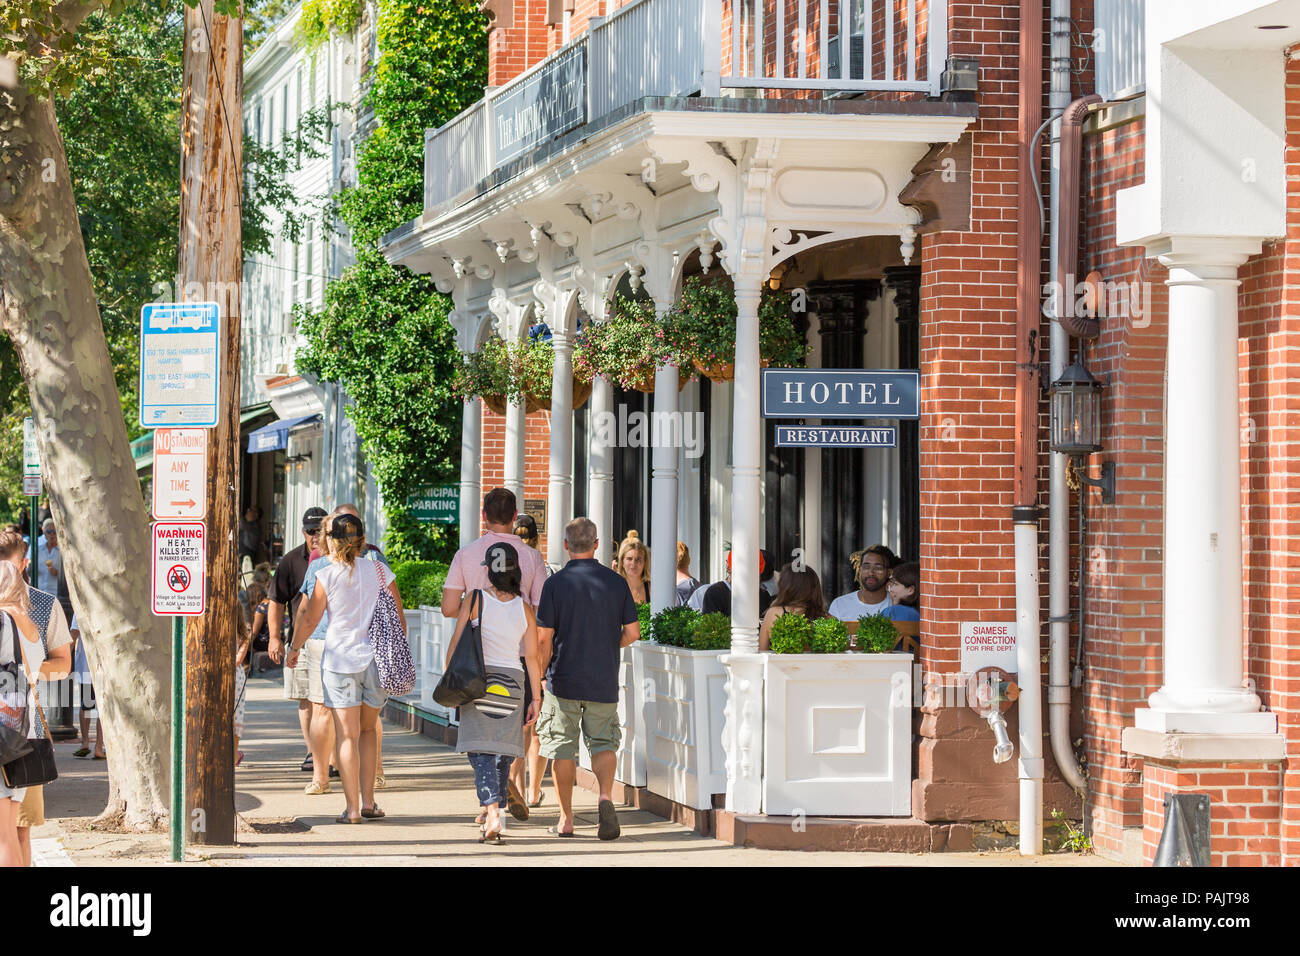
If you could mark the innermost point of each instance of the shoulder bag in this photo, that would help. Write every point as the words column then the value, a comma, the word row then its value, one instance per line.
column 465, row 679
column 15, row 722
column 37, row 765
column 388, row 637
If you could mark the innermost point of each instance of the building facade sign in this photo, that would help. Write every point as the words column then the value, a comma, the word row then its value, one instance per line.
column 988, row 644
column 550, row 102
column 802, row 436
column 841, row 393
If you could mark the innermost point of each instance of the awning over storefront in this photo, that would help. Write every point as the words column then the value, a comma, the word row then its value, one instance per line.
column 275, row 436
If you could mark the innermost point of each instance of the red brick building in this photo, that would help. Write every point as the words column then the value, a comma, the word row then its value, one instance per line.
column 1179, row 209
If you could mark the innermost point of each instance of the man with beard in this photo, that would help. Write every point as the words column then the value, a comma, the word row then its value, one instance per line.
column 871, row 569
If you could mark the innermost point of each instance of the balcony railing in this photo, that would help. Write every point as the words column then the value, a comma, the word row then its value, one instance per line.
column 683, row 47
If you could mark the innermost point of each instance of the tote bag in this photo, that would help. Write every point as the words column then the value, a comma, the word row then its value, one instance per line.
column 392, row 650
column 466, row 678
column 36, row 766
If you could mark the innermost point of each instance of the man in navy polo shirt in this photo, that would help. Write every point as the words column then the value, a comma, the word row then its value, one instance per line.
column 585, row 617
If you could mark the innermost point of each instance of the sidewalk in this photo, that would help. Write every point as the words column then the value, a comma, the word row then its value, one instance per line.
column 430, row 804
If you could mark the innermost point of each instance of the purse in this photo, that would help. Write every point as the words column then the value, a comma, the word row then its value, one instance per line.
column 14, row 719
column 35, row 767
column 465, row 679
column 393, row 658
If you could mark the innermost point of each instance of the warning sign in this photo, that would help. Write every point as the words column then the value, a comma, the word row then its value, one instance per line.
column 180, row 468
column 180, row 555
column 988, row 644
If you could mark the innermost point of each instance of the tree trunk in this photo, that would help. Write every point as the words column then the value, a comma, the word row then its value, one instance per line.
column 211, row 267
column 48, row 309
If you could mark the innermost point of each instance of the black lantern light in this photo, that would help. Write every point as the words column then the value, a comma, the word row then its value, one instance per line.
column 1076, row 412
column 1076, row 425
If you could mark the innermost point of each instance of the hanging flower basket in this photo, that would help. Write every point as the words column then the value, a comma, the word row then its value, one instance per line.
column 702, row 326
column 628, row 348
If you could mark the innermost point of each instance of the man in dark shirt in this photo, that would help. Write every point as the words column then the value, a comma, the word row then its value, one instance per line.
column 718, row 597
column 285, row 586
column 585, row 617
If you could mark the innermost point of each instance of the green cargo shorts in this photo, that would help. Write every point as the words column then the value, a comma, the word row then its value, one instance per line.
column 560, row 720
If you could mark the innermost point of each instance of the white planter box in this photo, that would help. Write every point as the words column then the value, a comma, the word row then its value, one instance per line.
column 683, row 707
column 630, row 768
column 837, row 734
column 435, row 633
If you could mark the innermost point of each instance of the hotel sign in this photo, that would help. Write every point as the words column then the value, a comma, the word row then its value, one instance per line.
column 841, row 393
column 550, row 102
column 804, row 436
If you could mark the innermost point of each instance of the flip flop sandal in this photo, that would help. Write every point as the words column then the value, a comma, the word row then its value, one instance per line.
column 344, row 818
column 99, row 757
column 307, row 765
column 373, row 813
column 515, row 804
column 494, row 837
column 538, row 802
column 380, row 782
column 609, row 828
column 315, row 789
column 81, row 754
column 556, row 831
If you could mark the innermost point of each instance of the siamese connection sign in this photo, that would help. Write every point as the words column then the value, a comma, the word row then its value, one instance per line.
column 180, row 552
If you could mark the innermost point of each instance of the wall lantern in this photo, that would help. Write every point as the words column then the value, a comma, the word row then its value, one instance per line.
column 1076, row 425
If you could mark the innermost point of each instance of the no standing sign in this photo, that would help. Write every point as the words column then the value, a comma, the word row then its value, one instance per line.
column 179, row 567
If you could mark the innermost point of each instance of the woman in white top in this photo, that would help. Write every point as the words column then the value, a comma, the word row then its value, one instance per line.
column 491, row 729
column 349, row 588
column 13, row 604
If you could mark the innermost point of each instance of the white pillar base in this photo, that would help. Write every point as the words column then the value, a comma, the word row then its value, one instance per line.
column 1204, row 722
column 742, row 732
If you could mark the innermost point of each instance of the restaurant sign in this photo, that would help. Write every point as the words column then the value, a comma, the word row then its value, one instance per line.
column 841, row 393
column 437, row 503
column 551, row 101
column 803, row 436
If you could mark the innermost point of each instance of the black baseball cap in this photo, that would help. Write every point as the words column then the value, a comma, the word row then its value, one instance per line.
column 527, row 521
column 311, row 519
column 346, row 526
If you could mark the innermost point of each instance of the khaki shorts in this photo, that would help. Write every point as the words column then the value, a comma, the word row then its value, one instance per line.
column 31, row 812
column 303, row 682
column 561, row 719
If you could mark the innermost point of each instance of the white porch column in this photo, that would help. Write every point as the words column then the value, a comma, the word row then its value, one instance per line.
column 560, row 491
column 471, row 461
column 516, row 434
column 663, row 490
column 600, row 469
column 746, row 457
column 742, row 736
column 1203, row 690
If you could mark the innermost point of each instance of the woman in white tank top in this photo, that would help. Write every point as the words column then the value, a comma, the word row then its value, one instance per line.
column 492, row 728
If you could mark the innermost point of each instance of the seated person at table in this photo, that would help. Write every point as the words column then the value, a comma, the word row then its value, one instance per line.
column 904, row 588
column 717, row 597
column 797, row 592
column 871, row 570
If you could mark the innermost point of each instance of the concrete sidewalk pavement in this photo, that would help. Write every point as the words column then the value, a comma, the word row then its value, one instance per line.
column 430, row 805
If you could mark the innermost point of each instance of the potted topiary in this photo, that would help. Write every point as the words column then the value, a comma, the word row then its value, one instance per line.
column 681, row 677
column 628, row 348
column 712, row 632
column 829, row 636
column 877, row 635
column 791, row 634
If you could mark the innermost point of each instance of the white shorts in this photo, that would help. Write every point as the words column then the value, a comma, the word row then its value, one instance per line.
column 303, row 682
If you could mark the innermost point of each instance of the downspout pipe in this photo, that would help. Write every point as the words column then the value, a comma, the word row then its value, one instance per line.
column 1064, row 258
column 1025, row 513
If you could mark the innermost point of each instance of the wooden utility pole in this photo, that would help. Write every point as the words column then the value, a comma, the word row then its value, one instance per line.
column 211, row 269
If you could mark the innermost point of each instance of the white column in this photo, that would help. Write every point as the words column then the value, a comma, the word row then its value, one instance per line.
column 746, row 458
column 666, row 434
column 1203, row 689
column 560, row 491
column 471, row 460
column 600, row 468
column 515, row 463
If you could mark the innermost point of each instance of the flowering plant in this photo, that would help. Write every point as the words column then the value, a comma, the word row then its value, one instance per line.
column 627, row 348
column 486, row 373
column 703, row 327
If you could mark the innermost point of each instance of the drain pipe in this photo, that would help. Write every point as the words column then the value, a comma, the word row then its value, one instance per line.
column 1063, row 259
column 1025, row 514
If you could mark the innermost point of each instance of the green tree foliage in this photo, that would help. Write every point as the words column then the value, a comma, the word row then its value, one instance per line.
column 383, row 333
